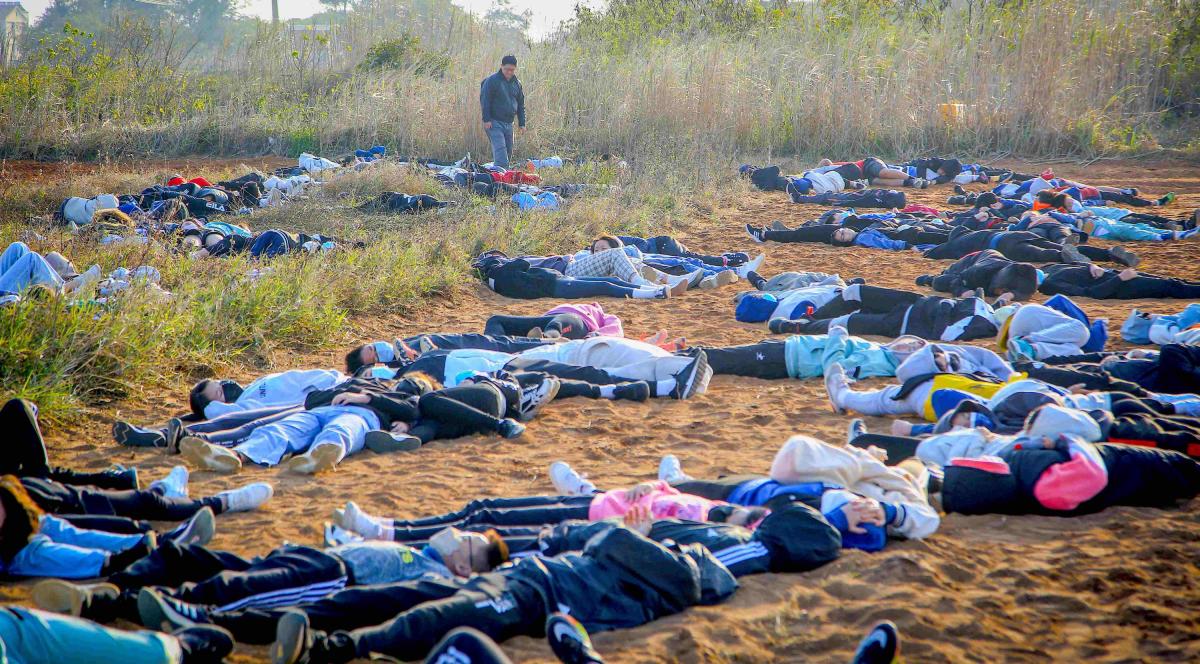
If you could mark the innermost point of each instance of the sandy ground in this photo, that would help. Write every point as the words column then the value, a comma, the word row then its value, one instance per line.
column 1120, row 586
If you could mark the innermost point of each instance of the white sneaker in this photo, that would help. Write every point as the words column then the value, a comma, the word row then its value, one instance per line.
column 568, row 482
column 175, row 484
column 835, row 383
column 750, row 266
column 352, row 518
column 209, row 456
column 336, row 535
column 324, row 456
column 670, row 471
column 673, row 282
column 533, row 398
column 246, row 498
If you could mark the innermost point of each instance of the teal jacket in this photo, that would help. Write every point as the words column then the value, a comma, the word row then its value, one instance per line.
column 808, row 355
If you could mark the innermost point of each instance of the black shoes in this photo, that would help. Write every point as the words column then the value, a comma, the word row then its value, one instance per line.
column 386, row 442
column 204, row 644
column 880, row 646
column 130, row 436
column 635, row 391
column 693, row 379
column 784, row 326
column 569, row 640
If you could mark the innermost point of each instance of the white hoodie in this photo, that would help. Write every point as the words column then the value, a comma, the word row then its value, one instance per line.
column 806, row 459
column 287, row 388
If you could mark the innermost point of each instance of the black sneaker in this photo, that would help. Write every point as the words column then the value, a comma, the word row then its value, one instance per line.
column 534, row 397
column 162, row 612
column 386, row 442
column 635, row 391
column 956, row 200
column 510, row 428
column 880, row 646
column 293, row 639
column 958, row 189
column 694, row 377
column 755, row 234
column 570, row 641
column 175, row 432
column 204, row 644
column 925, row 280
column 784, row 326
column 130, row 436
column 1125, row 257
column 857, row 428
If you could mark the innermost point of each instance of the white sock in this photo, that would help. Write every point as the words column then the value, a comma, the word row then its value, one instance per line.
column 852, row 293
column 607, row 391
column 663, row 387
column 362, row 523
column 646, row 293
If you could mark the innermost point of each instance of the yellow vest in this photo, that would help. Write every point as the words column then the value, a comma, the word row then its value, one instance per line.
column 966, row 384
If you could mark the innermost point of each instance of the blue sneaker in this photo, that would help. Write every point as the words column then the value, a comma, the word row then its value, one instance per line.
column 880, row 646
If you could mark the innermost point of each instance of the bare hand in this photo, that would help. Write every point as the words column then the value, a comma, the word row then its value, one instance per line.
column 639, row 518
column 1079, row 388
column 639, row 491
column 877, row 452
column 1127, row 274
column 487, row 125
column 862, row 511
column 1096, row 271
column 348, row 398
column 400, row 427
column 1004, row 299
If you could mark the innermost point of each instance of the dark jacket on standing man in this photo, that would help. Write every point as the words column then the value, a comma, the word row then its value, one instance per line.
column 502, row 99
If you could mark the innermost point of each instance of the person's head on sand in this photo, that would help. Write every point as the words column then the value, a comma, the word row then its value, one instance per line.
column 465, row 553
column 208, row 391
column 747, row 517
column 604, row 243
column 508, row 67
column 843, row 237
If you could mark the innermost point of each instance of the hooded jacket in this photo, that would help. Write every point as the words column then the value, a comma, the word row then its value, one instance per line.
column 806, row 459
column 1033, row 481
column 387, row 402
column 970, row 272
column 621, row 579
column 807, row 355
column 959, row 359
column 795, row 538
column 946, row 319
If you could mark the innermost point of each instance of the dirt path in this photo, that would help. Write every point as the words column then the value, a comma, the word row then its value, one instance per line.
column 1118, row 586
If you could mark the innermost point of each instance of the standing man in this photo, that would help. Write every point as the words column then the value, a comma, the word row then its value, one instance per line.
column 501, row 99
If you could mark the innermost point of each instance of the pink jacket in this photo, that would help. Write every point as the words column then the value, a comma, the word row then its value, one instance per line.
column 664, row 502
column 594, row 318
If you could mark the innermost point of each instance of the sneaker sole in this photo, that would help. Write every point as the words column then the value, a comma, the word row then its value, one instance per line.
column 155, row 613
column 693, row 380
column 124, row 434
column 320, row 460
column 1127, row 257
column 204, row 526
column 382, row 442
column 201, row 454
column 63, row 597
column 290, row 634
column 174, row 435
column 678, row 289
column 726, row 277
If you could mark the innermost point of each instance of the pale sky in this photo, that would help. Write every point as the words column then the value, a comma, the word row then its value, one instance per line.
column 547, row 14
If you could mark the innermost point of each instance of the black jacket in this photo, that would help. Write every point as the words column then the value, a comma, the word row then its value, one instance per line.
column 934, row 318
column 622, row 579
column 515, row 277
column 502, row 99
column 970, row 272
column 387, row 402
column 1138, row 476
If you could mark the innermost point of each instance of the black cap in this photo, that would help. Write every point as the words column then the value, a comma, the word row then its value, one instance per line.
column 969, row 490
column 985, row 199
column 508, row 60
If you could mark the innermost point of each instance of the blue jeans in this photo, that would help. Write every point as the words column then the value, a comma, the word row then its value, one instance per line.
column 27, row 635
column 583, row 287
column 299, row 432
column 501, row 136
column 21, row 268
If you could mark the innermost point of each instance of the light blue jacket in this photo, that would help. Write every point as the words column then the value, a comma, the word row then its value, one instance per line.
column 807, row 356
column 61, row 550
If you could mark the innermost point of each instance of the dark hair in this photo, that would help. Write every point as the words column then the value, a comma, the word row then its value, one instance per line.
column 1018, row 278
column 841, row 243
column 614, row 241
column 197, row 400
column 1054, row 199
column 497, row 549
column 756, row 514
column 354, row 360
column 951, row 167
column 508, row 60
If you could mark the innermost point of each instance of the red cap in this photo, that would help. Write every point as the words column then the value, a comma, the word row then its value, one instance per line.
column 175, row 181
column 200, row 182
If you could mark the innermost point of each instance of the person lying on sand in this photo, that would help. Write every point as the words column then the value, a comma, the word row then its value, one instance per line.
column 858, row 230
column 109, row 492
column 804, row 356
column 1173, row 369
column 1168, row 422
column 604, row 362
column 1054, row 470
column 1080, row 193
column 621, row 579
column 862, row 522
column 657, row 268
column 569, row 321
column 875, row 172
column 529, row 278
column 1027, row 247
column 335, row 422
column 191, row 574
column 890, row 312
column 665, row 245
